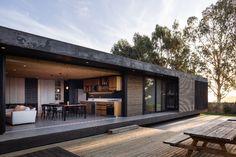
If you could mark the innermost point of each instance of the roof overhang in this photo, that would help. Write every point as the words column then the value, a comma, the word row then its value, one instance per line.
column 28, row 45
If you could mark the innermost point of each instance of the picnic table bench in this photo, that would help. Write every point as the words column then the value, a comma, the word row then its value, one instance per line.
column 220, row 133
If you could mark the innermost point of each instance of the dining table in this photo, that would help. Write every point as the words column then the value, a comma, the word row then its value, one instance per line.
column 67, row 107
column 72, row 106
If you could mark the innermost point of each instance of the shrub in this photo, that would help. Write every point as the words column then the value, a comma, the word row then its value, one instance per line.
column 227, row 109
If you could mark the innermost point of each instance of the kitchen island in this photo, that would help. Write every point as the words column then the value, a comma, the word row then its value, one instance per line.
column 104, row 107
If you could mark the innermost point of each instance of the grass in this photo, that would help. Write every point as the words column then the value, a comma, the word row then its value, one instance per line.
column 219, row 114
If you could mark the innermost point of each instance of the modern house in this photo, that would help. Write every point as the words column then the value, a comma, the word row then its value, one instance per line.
column 35, row 70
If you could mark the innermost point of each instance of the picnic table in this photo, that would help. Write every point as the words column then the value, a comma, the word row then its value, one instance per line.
column 220, row 133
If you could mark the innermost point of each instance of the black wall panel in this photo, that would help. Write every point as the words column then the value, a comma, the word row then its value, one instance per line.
column 2, row 93
column 31, row 92
column 71, row 95
column 201, row 95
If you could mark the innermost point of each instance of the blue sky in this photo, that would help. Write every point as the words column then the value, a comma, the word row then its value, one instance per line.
column 96, row 24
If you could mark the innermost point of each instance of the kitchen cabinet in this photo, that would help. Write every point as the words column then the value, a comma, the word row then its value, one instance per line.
column 103, row 84
column 104, row 108
column 90, row 85
column 115, row 83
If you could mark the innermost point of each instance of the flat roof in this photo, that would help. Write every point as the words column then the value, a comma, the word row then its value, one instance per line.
column 16, row 38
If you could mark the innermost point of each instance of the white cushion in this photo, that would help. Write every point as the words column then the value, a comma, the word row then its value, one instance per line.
column 27, row 109
column 20, row 108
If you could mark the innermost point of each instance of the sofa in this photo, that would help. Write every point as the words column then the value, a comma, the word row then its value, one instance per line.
column 21, row 115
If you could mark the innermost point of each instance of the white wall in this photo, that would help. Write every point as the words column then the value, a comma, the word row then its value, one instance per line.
column 62, row 92
column 15, row 90
column 46, row 92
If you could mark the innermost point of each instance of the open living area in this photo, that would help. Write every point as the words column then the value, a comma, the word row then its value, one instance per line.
column 51, row 93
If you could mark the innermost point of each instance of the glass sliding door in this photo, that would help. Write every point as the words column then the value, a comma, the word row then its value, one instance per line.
column 163, row 95
column 149, row 95
column 158, row 95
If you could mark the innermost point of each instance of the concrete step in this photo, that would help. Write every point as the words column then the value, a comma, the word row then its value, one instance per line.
column 122, row 129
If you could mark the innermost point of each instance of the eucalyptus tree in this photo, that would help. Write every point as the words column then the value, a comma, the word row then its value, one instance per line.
column 214, row 38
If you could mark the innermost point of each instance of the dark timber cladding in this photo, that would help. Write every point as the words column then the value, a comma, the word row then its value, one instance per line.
column 2, row 93
column 201, row 95
column 186, row 95
column 45, row 47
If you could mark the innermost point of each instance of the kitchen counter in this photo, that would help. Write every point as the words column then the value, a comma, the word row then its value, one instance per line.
column 102, row 106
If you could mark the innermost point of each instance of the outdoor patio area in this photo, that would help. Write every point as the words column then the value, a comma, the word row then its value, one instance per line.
column 145, row 141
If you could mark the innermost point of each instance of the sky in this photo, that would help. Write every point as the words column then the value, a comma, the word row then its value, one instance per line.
column 96, row 24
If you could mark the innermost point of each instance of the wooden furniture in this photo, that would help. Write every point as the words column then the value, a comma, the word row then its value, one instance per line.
column 81, row 108
column 50, row 152
column 117, row 108
column 103, row 84
column 220, row 133
column 51, row 111
column 78, row 108
column 115, row 83
column 101, row 107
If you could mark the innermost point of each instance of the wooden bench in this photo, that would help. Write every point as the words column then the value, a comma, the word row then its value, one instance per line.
column 174, row 141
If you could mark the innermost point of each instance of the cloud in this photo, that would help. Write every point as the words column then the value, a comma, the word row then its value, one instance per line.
column 24, row 22
column 96, row 24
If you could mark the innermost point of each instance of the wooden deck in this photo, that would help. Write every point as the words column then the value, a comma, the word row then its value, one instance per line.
column 142, row 142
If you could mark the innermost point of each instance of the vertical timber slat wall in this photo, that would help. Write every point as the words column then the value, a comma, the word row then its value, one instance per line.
column 201, row 95
column 134, row 95
column 186, row 94
column 2, row 93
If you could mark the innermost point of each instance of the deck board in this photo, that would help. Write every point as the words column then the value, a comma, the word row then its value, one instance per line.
column 50, row 152
column 142, row 142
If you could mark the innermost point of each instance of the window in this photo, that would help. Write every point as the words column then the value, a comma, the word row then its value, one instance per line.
column 149, row 95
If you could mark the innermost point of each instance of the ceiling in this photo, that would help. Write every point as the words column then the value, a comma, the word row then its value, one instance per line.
column 41, row 69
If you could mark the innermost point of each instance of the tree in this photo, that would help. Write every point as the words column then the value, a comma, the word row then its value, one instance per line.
column 161, row 39
column 173, row 50
column 123, row 48
column 167, row 47
column 141, row 50
column 214, row 37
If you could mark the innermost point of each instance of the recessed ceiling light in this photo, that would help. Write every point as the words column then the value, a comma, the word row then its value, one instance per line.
column 24, row 66
column 87, row 62
column 3, row 48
